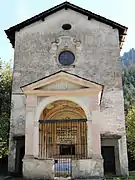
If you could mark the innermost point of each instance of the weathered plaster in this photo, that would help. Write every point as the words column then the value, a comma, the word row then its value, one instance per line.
column 99, row 46
column 38, row 169
column 17, row 124
column 97, row 59
column 87, row 168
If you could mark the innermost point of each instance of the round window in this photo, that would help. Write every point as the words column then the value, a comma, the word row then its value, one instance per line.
column 66, row 26
column 66, row 58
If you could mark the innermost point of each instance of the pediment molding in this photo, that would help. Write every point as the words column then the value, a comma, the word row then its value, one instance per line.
column 61, row 82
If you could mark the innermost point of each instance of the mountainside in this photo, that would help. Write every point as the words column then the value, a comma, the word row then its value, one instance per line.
column 128, row 58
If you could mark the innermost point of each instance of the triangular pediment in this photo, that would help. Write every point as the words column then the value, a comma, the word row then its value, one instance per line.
column 61, row 81
column 61, row 84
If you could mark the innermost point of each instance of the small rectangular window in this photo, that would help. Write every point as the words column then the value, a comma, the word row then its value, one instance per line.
column 67, row 149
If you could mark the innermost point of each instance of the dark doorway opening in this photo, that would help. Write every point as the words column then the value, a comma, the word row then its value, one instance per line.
column 67, row 149
column 20, row 151
column 108, row 153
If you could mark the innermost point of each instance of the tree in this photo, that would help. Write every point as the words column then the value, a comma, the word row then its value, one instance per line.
column 130, row 128
column 5, row 105
column 129, row 86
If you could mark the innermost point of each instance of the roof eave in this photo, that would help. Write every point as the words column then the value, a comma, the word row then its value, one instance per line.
column 11, row 31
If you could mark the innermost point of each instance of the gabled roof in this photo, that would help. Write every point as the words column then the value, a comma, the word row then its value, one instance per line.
column 66, row 5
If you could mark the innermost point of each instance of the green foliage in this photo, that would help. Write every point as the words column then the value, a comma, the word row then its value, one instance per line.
column 129, row 86
column 128, row 66
column 5, row 105
column 130, row 127
column 3, row 148
column 116, row 178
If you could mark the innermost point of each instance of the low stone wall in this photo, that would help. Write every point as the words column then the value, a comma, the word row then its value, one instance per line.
column 44, row 169
column 86, row 168
column 38, row 169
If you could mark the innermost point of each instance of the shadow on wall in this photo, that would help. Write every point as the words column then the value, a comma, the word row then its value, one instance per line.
column 4, row 166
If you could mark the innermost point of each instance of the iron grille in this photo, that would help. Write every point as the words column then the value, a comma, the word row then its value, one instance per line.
column 64, row 141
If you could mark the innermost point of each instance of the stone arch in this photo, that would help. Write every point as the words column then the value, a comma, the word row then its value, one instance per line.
column 40, row 108
column 66, row 125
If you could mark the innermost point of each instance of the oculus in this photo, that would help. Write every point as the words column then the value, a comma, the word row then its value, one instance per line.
column 66, row 58
column 66, row 26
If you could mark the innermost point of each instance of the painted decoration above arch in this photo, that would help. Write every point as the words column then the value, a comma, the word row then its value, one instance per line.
column 62, row 109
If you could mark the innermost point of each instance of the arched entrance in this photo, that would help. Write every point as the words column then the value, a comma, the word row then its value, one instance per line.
column 63, row 135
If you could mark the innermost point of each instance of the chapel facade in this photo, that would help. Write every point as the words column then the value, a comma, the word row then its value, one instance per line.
column 67, row 118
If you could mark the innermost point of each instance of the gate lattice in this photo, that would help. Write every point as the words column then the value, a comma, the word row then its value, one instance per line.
column 64, row 141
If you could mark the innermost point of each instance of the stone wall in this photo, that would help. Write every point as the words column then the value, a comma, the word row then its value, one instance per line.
column 17, row 127
column 87, row 168
column 38, row 169
column 98, row 54
column 97, row 59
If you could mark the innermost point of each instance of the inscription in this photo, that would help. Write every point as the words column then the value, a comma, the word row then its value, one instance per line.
column 66, row 135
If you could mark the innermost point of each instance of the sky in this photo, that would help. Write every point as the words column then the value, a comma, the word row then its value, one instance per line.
column 16, row 11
